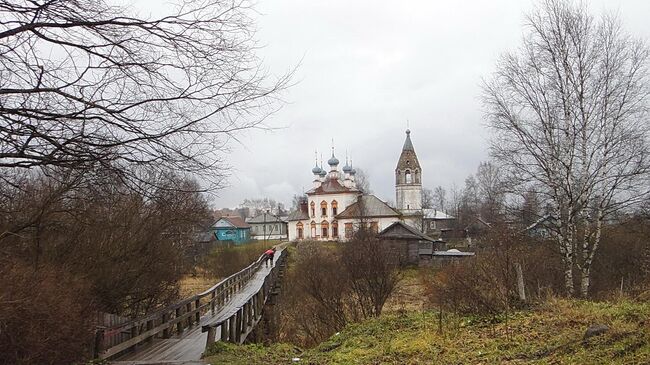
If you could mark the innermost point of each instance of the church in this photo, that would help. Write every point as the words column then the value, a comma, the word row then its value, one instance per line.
column 335, row 208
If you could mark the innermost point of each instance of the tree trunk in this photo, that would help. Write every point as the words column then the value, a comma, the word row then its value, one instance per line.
column 521, row 289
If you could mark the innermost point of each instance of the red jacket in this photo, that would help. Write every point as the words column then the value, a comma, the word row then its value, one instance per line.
column 269, row 252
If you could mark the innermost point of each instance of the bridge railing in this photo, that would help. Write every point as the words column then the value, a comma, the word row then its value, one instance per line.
column 240, row 322
column 113, row 340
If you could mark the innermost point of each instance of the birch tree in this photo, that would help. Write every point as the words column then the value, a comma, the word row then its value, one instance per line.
column 568, row 111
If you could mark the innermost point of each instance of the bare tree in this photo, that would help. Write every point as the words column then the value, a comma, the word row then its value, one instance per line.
column 362, row 180
column 440, row 198
column 428, row 198
column 85, row 82
column 568, row 114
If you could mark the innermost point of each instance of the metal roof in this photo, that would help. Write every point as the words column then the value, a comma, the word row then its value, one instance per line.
column 265, row 218
column 298, row 215
column 236, row 222
column 401, row 230
column 330, row 186
column 368, row 206
column 436, row 214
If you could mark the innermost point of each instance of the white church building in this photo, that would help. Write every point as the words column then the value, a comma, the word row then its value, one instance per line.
column 335, row 208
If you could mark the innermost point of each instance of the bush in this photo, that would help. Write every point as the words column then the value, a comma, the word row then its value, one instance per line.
column 46, row 316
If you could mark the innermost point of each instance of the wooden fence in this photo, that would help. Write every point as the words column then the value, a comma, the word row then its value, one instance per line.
column 163, row 323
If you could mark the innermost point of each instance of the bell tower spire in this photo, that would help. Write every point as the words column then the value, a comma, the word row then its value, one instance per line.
column 408, row 180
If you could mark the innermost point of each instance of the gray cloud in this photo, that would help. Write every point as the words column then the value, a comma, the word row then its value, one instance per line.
column 367, row 67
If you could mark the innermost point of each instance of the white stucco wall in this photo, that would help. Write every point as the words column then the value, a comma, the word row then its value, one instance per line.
column 408, row 198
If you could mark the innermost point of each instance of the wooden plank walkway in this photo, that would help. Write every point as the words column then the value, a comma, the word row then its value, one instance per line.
column 187, row 348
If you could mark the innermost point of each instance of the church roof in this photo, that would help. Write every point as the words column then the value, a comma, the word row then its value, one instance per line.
column 368, row 206
column 297, row 215
column 330, row 186
column 408, row 159
column 408, row 145
column 402, row 231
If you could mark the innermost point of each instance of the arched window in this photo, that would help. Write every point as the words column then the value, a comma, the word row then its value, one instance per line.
column 324, row 227
column 335, row 208
column 348, row 230
column 323, row 208
column 335, row 229
column 409, row 177
column 313, row 209
column 313, row 229
column 299, row 230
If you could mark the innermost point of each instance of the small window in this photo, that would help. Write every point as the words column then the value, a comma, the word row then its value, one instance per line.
column 324, row 229
column 335, row 208
column 313, row 209
column 323, row 208
column 409, row 177
column 348, row 230
column 335, row 229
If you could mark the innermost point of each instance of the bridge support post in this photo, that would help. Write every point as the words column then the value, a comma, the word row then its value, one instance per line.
column 239, row 322
column 188, row 309
column 231, row 329
column 179, row 324
column 224, row 331
column 99, row 343
column 197, row 306
column 149, row 328
column 165, row 319
column 212, row 334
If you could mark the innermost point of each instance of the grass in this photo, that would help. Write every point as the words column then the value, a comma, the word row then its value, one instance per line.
column 549, row 334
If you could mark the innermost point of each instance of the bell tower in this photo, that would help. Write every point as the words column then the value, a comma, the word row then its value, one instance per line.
column 408, row 180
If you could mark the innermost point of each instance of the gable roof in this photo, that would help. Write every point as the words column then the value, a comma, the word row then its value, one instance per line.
column 265, row 218
column 436, row 214
column 401, row 230
column 297, row 215
column 236, row 222
column 368, row 206
column 330, row 186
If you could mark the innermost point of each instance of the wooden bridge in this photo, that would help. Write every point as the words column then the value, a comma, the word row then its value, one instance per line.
column 229, row 311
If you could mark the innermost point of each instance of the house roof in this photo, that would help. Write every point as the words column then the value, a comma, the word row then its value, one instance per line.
column 436, row 214
column 265, row 218
column 236, row 222
column 205, row 236
column 368, row 206
column 453, row 252
column 330, row 186
column 401, row 230
column 297, row 215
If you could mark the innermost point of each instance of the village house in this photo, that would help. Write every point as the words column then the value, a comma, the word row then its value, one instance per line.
column 267, row 226
column 233, row 229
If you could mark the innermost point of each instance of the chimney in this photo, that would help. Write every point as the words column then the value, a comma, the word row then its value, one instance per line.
column 304, row 206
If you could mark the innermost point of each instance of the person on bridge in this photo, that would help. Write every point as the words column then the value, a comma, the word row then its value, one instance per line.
column 269, row 255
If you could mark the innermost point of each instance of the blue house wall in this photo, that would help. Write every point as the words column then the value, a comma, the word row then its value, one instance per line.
column 236, row 235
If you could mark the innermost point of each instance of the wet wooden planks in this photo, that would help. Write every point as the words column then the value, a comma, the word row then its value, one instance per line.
column 188, row 347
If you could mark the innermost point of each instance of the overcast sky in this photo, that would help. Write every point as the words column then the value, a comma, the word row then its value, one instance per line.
column 369, row 66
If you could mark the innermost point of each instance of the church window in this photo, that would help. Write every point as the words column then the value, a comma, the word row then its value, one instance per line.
column 313, row 229
column 299, row 230
column 374, row 227
column 335, row 229
column 409, row 177
column 324, row 226
column 313, row 209
column 348, row 230
column 323, row 208
column 335, row 208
